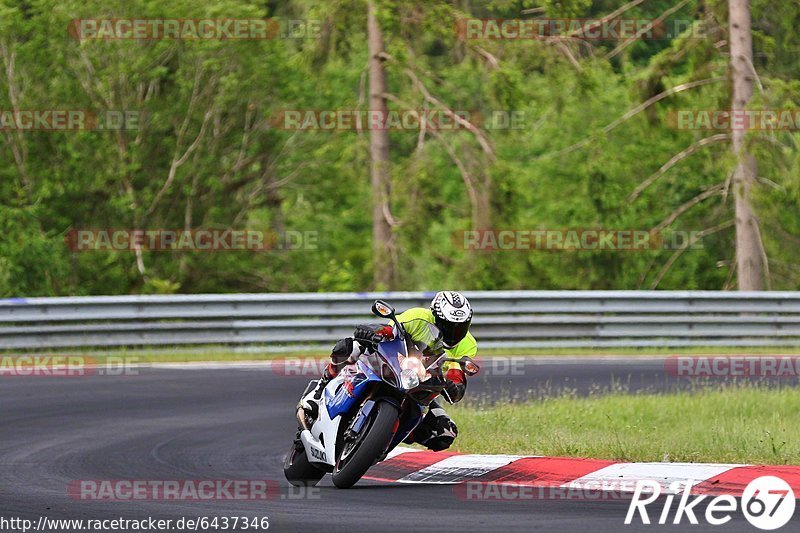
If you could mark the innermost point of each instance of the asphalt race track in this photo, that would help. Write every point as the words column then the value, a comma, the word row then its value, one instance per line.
column 236, row 422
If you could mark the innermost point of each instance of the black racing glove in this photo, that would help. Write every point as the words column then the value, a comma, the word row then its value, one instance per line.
column 372, row 334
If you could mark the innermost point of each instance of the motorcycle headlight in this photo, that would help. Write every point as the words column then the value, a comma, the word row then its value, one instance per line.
column 409, row 379
column 415, row 365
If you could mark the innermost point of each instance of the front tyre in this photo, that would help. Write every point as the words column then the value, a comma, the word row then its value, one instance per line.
column 360, row 454
column 298, row 470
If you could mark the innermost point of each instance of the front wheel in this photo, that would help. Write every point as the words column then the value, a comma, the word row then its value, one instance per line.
column 298, row 470
column 360, row 453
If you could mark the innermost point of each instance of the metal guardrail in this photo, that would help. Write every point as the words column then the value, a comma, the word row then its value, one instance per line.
column 502, row 319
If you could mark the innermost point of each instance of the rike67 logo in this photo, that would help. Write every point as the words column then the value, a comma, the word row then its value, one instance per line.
column 767, row 502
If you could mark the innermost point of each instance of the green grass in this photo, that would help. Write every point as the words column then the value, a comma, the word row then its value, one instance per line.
column 176, row 355
column 223, row 353
column 735, row 424
column 648, row 351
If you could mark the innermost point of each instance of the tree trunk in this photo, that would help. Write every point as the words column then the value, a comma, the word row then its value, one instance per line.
column 750, row 267
column 482, row 210
column 383, row 275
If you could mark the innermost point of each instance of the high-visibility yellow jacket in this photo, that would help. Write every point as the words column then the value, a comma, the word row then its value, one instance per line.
column 468, row 346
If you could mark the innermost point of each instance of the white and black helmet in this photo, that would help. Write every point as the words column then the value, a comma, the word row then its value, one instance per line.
column 452, row 314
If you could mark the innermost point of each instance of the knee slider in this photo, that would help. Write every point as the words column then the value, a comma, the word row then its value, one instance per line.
column 439, row 444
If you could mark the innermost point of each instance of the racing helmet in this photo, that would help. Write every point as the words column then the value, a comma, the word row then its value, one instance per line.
column 452, row 314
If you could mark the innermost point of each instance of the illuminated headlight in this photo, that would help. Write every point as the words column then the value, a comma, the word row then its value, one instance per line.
column 409, row 379
column 413, row 371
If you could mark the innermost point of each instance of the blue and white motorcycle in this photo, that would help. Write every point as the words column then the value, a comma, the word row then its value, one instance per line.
column 371, row 406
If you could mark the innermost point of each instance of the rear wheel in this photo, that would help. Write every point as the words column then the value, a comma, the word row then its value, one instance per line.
column 298, row 470
column 361, row 452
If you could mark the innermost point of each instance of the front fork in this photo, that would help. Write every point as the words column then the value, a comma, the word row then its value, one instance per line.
column 405, row 424
column 359, row 420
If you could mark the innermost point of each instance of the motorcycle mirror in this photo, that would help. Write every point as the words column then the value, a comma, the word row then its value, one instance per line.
column 383, row 309
column 471, row 367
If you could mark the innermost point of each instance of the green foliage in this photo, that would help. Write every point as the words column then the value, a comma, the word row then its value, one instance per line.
column 209, row 152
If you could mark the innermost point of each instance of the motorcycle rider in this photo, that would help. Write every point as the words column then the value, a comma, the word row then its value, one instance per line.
column 451, row 313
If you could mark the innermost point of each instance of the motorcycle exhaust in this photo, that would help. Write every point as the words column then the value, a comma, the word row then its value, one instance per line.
column 301, row 413
column 301, row 418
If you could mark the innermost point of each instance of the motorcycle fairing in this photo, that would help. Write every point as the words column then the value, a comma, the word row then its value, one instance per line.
column 347, row 391
column 340, row 401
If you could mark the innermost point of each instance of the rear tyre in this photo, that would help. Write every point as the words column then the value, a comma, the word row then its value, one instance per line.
column 360, row 454
column 298, row 470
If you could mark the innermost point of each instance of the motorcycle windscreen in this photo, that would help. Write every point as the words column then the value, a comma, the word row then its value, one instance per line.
column 422, row 352
column 424, row 338
column 390, row 353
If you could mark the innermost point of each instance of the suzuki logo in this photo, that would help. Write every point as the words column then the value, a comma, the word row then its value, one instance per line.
column 318, row 455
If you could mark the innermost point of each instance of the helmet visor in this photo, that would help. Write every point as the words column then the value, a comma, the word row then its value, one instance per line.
column 452, row 332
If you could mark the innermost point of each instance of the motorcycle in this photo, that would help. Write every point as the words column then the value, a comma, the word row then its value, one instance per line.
column 371, row 406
